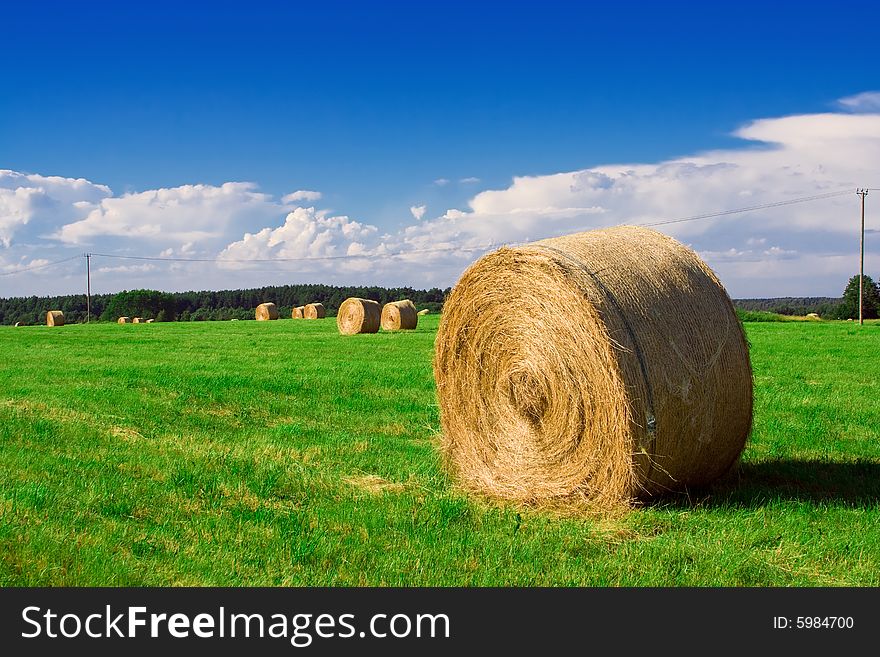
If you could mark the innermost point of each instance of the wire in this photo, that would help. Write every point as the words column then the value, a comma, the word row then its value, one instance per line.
column 664, row 222
column 751, row 208
column 48, row 264
column 307, row 258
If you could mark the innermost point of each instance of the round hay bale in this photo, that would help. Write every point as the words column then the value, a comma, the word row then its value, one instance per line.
column 423, row 312
column 358, row 315
column 54, row 318
column 150, row 321
column 137, row 320
column 314, row 311
column 622, row 373
column 813, row 316
column 266, row 312
column 17, row 324
column 399, row 315
column 298, row 312
column 124, row 320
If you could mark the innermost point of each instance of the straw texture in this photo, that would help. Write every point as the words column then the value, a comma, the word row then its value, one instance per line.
column 314, row 311
column 591, row 369
column 266, row 312
column 54, row 318
column 297, row 312
column 399, row 315
column 358, row 315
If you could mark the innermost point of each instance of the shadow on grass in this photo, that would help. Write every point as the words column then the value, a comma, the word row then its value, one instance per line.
column 853, row 484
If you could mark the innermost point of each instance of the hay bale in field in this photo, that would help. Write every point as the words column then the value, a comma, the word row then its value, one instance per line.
column 54, row 318
column 358, row 315
column 124, row 320
column 298, row 312
column 423, row 312
column 399, row 315
column 622, row 373
column 813, row 316
column 137, row 320
column 266, row 312
column 17, row 324
column 314, row 311
column 149, row 321
column 233, row 320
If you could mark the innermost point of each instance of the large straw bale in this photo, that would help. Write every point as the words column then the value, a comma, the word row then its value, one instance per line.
column 358, row 315
column 314, row 311
column 297, row 312
column 54, row 318
column 591, row 369
column 266, row 312
column 399, row 315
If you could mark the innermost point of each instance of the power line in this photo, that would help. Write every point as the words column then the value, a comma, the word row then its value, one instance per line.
column 300, row 259
column 43, row 266
column 485, row 247
column 751, row 208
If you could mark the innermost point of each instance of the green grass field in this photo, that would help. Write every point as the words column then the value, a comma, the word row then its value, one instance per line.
column 280, row 453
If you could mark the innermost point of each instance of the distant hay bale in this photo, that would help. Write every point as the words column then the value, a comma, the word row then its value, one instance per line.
column 17, row 324
column 54, row 318
column 233, row 320
column 399, row 315
column 813, row 316
column 423, row 312
column 137, row 320
column 150, row 321
column 124, row 320
column 358, row 316
column 314, row 311
column 622, row 373
column 266, row 312
column 298, row 312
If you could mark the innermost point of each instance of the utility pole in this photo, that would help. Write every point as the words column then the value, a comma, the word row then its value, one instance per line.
column 863, row 193
column 88, row 287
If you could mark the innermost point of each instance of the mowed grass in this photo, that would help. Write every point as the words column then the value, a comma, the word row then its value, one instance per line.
column 280, row 453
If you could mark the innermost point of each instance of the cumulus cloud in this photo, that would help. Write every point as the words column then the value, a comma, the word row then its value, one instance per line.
column 782, row 158
column 302, row 195
column 31, row 203
column 418, row 211
column 175, row 216
column 306, row 235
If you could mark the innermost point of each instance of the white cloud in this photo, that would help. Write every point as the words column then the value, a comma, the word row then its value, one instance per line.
column 31, row 203
column 302, row 195
column 418, row 211
column 441, row 182
column 796, row 156
column 868, row 101
column 470, row 180
column 204, row 214
column 305, row 234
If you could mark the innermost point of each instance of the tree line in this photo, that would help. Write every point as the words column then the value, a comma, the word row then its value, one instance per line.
column 210, row 305
column 207, row 304
column 845, row 307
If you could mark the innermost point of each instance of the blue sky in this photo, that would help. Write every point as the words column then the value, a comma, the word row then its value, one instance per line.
column 370, row 104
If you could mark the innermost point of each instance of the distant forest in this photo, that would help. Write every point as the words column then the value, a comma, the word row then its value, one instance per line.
column 240, row 304
column 205, row 305
column 822, row 306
